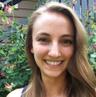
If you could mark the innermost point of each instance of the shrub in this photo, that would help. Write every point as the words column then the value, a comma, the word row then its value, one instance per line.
column 14, row 70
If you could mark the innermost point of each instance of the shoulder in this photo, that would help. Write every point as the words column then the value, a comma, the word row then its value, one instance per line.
column 15, row 93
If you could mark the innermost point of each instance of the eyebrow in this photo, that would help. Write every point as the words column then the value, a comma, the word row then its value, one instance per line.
column 67, row 35
column 63, row 36
column 45, row 34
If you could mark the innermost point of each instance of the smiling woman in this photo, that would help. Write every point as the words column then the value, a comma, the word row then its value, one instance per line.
column 57, row 52
column 51, row 41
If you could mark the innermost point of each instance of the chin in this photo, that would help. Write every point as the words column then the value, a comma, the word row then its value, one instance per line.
column 54, row 74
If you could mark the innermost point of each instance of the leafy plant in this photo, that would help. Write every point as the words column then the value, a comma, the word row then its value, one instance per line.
column 92, row 44
column 14, row 70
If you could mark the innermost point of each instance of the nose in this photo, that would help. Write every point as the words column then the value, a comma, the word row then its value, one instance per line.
column 54, row 50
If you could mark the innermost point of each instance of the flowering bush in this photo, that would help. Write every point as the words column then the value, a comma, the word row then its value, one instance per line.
column 14, row 71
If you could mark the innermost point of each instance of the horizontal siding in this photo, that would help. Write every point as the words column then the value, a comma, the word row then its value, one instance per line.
column 19, row 19
column 25, row 9
column 27, row 4
column 22, row 13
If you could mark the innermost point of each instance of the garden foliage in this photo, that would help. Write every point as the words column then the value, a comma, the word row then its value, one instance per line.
column 14, row 70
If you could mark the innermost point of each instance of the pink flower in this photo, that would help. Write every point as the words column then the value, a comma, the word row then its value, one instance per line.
column 94, row 46
column 90, row 33
column 9, row 21
column 9, row 86
column 8, row 9
column 2, row 74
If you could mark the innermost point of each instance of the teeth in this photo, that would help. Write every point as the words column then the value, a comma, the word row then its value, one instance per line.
column 53, row 62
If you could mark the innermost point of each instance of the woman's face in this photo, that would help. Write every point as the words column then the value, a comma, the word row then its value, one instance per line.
column 52, row 43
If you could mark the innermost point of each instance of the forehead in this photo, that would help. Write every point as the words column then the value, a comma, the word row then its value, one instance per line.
column 52, row 22
column 47, row 16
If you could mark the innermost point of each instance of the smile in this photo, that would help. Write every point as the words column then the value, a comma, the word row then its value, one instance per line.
column 53, row 63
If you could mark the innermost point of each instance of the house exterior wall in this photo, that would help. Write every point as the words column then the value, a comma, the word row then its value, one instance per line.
column 24, row 10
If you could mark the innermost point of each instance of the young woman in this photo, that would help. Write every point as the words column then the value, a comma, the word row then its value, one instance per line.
column 57, row 51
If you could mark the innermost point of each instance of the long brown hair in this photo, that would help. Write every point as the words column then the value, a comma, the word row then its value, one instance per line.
column 81, row 78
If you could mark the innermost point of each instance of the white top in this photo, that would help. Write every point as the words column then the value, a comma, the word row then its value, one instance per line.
column 15, row 93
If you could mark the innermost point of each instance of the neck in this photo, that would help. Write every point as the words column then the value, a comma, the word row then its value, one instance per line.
column 55, row 87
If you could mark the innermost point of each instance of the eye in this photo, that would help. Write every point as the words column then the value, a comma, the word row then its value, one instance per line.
column 43, row 40
column 67, row 42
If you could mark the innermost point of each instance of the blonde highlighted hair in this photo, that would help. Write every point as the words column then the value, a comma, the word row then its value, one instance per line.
column 81, row 78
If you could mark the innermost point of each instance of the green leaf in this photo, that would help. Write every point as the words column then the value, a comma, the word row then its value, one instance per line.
column 93, row 55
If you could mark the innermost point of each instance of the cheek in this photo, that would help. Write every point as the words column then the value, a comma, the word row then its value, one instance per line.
column 68, row 52
column 39, row 50
column 39, row 53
